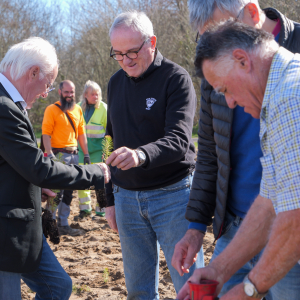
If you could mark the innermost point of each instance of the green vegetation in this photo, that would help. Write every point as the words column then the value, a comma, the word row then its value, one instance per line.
column 79, row 289
column 105, row 275
column 108, row 147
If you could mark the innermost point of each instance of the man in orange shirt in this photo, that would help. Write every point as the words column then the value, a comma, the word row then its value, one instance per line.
column 62, row 126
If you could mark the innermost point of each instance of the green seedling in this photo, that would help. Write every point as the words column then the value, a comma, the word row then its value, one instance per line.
column 107, row 147
column 105, row 275
column 79, row 289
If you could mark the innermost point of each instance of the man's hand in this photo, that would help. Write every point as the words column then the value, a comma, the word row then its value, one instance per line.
column 106, row 171
column 236, row 293
column 202, row 273
column 86, row 159
column 123, row 158
column 46, row 193
column 185, row 253
column 110, row 215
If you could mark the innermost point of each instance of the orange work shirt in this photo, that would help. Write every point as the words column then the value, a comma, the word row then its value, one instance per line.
column 57, row 125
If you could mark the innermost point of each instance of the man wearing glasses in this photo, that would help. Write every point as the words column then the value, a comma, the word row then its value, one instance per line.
column 26, row 72
column 228, row 169
column 62, row 126
column 151, row 105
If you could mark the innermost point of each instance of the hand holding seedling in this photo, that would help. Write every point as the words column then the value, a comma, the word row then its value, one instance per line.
column 46, row 193
column 123, row 158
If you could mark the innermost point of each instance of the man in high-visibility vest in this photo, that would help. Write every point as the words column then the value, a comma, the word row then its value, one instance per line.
column 95, row 115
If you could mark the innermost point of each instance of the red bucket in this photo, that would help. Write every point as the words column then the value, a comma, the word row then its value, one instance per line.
column 204, row 290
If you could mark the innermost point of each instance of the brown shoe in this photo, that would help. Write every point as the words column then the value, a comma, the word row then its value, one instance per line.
column 67, row 230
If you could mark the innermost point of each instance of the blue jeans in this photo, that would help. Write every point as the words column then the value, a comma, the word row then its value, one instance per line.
column 288, row 288
column 50, row 281
column 148, row 220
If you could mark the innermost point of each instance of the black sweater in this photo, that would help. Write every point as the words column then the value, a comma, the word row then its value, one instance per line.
column 155, row 114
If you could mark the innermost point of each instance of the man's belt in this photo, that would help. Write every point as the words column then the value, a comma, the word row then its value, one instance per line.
column 69, row 150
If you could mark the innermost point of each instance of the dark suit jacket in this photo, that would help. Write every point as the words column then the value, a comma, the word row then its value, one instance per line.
column 23, row 170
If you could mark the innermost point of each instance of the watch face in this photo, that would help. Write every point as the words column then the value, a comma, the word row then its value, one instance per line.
column 248, row 288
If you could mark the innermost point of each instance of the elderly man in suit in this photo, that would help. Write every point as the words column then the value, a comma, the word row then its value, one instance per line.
column 28, row 71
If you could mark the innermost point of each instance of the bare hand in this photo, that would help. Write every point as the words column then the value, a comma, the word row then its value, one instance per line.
column 185, row 253
column 236, row 293
column 202, row 273
column 46, row 193
column 106, row 171
column 110, row 215
column 123, row 158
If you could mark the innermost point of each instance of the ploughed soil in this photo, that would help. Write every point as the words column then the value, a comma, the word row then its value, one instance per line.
column 94, row 261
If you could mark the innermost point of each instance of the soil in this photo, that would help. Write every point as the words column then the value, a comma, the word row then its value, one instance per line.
column 94, row 261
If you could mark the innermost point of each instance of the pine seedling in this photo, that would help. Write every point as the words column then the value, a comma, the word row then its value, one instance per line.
column 107, row 147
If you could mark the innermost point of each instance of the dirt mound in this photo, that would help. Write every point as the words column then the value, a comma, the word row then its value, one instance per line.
column 94, row 261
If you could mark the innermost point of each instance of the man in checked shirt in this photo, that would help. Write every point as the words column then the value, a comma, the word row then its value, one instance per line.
column 252, row 71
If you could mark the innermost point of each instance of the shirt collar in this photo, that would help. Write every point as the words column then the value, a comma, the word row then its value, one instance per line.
column 280, row 62
column 12, row 91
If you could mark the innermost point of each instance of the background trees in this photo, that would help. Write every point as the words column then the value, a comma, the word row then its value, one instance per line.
column 79, row 31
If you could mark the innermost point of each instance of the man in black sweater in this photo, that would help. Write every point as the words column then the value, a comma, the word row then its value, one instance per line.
column 151, row 105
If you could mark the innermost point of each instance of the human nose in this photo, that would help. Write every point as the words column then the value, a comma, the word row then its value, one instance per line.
column 230, row 102
column 126, row 60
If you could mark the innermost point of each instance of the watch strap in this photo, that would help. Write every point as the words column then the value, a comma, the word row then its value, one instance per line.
column 256, row 294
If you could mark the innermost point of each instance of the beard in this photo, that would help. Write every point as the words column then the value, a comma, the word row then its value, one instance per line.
column 67, row 105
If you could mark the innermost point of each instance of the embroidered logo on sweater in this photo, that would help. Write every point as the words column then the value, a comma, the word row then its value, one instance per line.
column 150, row 102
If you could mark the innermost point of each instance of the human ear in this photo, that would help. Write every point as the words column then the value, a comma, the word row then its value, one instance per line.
column 153, row 41
column 241, row 57
column 252, row 16
column 34, row 73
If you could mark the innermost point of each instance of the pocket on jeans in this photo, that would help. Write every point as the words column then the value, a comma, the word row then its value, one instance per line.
column 228, row 223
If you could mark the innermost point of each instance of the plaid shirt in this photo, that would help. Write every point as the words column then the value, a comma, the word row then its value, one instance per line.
column 280, row 133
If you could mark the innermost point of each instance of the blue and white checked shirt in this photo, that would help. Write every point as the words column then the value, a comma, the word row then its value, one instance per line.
column 280, row 133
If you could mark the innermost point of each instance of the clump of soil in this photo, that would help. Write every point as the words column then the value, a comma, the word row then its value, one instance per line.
column 101, row 198
column 50, row 227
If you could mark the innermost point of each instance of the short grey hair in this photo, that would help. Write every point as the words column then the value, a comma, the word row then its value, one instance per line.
column 219, row 41
column 135, row 20
column 201, row 11
column 34, row 51
column 92, row 86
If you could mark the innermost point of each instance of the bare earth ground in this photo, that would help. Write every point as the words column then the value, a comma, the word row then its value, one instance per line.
column 94, row 261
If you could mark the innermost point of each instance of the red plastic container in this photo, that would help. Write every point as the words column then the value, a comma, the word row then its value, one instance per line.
column 204, row 290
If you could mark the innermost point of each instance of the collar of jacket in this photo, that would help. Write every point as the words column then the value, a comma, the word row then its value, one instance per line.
column 287, row 26
column 154, row 65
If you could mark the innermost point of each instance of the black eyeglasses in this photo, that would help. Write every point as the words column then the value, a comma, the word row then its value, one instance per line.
column 237, row 17
column 131, row 54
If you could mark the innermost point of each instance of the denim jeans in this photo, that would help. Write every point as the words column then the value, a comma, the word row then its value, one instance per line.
column 288, row 288
column 50, row 281
column 148, row 220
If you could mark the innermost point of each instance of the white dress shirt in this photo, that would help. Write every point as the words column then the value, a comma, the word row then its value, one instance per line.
column 13, row 92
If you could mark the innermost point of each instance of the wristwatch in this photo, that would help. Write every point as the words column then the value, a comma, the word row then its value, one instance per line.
column 141, row 156
column 250, row 289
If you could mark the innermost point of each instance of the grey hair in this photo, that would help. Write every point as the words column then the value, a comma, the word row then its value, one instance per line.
column 201, row 11
column 93, row 86
column 135, row 20
column 34, row 51
column 219, row 41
